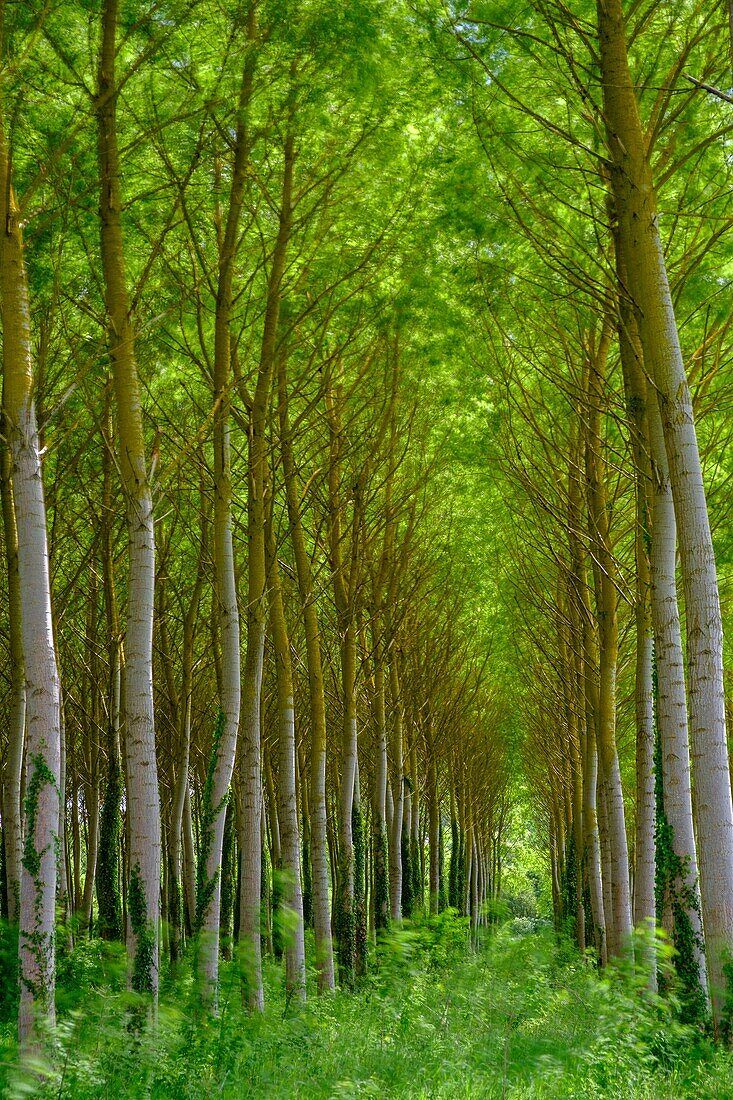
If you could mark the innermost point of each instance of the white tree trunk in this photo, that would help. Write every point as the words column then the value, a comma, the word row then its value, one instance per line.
column 141, row 773
column 671, row 694
column 12, row 818
column 43, row 714
column 292, row 895
column 398, row 786
column 648, row 286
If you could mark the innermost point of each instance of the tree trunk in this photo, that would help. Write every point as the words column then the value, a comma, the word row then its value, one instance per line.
column 224, row 748
column 382, row 877
column 292, row 895
column 398, row 786
column 636, row 392
column 12, row 775
column 620, row 925
column 648, row 285
column 586, row 670
column 143, row 804
column 109, row 910
column 250, row 847
column 175, row 871
column 344, row 596
column 319, row 845
column 43, row 711
column 434, row 811
column 678, row 852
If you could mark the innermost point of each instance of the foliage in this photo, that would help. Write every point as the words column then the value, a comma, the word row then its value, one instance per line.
column 206, row 885
column 523, row 1019
column 109, row 919
column 672, row 892
column 144, row 960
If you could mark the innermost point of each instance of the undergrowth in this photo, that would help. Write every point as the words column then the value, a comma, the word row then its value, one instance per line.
column 523, row 1018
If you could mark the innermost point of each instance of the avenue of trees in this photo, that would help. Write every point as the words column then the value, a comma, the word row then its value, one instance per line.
column 243, row 697
column 364, row 470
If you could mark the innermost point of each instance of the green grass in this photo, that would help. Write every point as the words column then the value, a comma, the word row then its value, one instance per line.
column 522, row 1018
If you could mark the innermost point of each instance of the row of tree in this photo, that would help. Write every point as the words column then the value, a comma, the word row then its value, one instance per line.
column 244, row 694
column 622, row 643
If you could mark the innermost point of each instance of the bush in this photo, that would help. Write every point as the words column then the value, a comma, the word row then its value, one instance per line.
column 525, row 1018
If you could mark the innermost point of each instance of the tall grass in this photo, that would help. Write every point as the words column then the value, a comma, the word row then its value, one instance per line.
column 524, row 1017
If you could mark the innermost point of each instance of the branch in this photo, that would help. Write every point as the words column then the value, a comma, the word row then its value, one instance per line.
column 702, row 86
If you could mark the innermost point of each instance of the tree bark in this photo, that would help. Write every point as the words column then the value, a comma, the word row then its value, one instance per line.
column 648, row 285
column 43, row 699
column 143, row 803
column 319, row 840
column 292, row 895
column 398, row 786
column 344, row 596
column 620, row 924
column 672, row 720
column 382, row 878
column 224, row 748
column 12, row 775
column 636, row 392
column 249, row 841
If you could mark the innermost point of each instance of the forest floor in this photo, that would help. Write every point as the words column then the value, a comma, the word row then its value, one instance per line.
column 520, row 1018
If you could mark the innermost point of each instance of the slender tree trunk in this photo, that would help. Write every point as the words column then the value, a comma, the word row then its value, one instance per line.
column 62, row 891
column 360, row 881
column 407, row 894
column 224, row 749
column 416, row 852
column 683, row 900
column 677, row 866
column 189, row 864
column 346, row 922
column 382, row 878
column 434, row 811
column 292, row 895
column 605, row 858
column 648, row 285
column 12, row 775
column 143, row 804
column 398, row 785
column 344, row 595
column 636, row 404
column 175, row 871
column 249, row 840
column 91, row 801
column 586, row 671
column 620, row 925
column 43, row 700
column 319, row 841
column 303, row 795
column 573, row 712
column 228, row 882
column 109, row 911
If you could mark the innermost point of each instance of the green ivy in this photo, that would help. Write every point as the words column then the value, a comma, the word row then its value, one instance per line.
column 360, row 915
column 381, row 882
column 109, row 920
column 205, row 887
column 144, row 960
column 408, row 897
column 41, row 776
column 307, row 881
column 37, row 943
column 344, row 924
column 672, row 891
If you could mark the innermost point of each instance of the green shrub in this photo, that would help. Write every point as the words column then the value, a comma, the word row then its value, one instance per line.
column 525, row 1018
